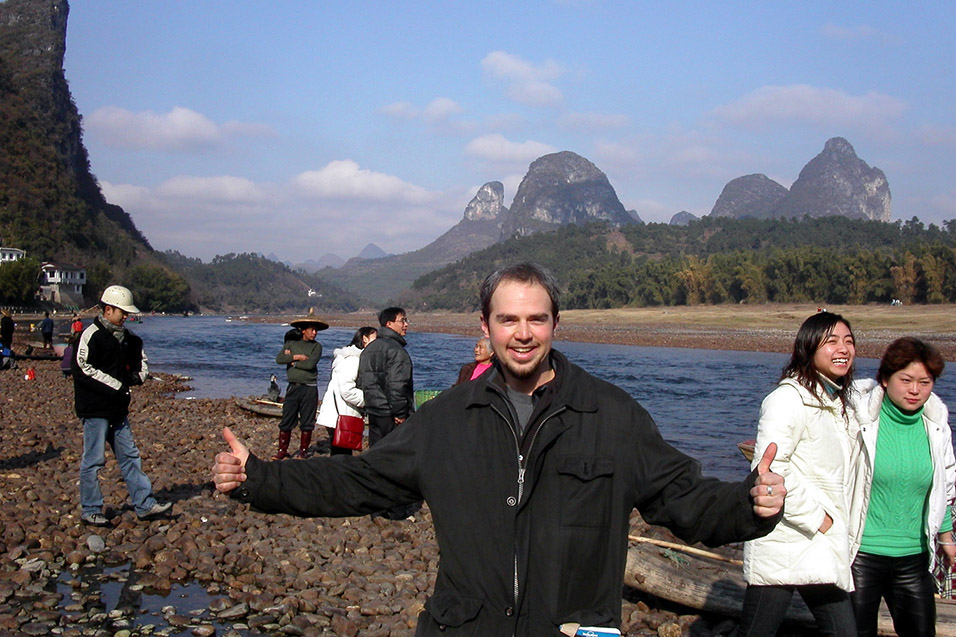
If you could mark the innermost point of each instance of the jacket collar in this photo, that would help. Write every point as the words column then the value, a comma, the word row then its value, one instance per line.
column 387, row 332
column 573, row 387
column 824, row 400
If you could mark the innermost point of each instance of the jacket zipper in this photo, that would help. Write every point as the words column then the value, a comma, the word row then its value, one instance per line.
column 521, row 472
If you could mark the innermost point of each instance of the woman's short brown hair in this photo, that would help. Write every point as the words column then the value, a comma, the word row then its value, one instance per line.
column 904, row 351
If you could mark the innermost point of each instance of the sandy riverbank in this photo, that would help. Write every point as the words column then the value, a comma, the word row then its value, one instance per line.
column 769, row 327
column 766, row 327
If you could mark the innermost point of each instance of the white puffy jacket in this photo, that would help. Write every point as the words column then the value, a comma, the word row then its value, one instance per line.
column 342, row 396
column 869, row 398
column 812, row 447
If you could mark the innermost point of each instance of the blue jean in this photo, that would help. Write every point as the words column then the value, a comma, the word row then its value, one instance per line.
column 766, row 606
column 96, row 433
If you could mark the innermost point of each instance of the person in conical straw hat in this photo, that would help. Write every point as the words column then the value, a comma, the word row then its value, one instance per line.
column 300, row 358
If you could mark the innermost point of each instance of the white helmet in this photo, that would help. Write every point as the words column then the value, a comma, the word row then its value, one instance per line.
column 118, row 296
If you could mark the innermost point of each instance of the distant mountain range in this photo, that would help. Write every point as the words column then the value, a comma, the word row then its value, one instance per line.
column 564, row 188
column 834, row 183
column 329, row 260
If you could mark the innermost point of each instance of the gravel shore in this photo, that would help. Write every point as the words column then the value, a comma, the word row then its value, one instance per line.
column 264, row 574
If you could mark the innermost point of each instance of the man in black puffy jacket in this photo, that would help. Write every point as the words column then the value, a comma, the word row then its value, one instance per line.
column 385, row 376
column 107, row 360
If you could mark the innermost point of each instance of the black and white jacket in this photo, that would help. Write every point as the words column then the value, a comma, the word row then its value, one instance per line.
column 104, row 369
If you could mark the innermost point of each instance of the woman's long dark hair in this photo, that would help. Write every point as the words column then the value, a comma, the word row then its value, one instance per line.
column 361, row 333
column 810, row 337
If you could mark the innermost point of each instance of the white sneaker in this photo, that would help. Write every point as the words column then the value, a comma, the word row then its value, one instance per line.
column 157, row 509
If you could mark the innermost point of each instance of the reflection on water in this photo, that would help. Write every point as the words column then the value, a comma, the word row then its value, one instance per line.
column 704, row 401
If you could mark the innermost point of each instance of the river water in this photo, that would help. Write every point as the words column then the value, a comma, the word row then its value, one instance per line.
column 704, row 401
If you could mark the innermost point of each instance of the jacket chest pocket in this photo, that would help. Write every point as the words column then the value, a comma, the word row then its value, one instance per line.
column 585, row 484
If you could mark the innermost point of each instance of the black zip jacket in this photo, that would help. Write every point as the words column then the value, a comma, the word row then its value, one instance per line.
column 385, row 376
column 103, row 371
column 532, row 531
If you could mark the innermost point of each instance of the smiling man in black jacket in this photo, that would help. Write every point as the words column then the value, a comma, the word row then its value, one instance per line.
column 531, row 472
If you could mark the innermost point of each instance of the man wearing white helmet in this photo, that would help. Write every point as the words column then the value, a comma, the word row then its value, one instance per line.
column 107, row 361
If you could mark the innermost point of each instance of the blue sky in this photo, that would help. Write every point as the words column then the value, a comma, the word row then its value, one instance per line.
column 303, row 128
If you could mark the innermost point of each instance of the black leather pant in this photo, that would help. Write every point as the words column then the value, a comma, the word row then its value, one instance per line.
column 905, row 583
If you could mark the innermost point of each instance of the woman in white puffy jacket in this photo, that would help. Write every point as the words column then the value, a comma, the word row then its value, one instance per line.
column 342, row 396
column 902, row 490
column 808, row 551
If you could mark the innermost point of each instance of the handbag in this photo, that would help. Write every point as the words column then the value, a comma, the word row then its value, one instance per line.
column 349, row 430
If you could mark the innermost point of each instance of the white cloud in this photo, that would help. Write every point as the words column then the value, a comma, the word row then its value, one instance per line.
column 495, row 147
column 769, row 105
column 401, row 110
column 224, row 189
column 338, row 209
column 859, row 32
column 616, row 153
column 945, row 203
column 511, row 184
column 594, row 121
column 526, row 83
column 343, row 179
column 504, row 121
column 440, row 109
column 650, row 210
column 125, row 195
column 933, row 135
column 437, row 114
column 181, row 129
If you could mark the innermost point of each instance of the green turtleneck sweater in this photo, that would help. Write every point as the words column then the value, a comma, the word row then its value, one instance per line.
column 902, row 478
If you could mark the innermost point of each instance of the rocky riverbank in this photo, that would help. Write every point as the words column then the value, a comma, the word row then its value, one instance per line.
column 269, row 574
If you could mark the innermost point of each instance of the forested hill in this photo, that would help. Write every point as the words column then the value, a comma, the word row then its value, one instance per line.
column 50, row 203
column 720, row 260
column 245, row 283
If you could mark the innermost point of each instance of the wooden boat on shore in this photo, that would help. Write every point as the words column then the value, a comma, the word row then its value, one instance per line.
column 747, row 448
column 261, row 406
column 713, row 582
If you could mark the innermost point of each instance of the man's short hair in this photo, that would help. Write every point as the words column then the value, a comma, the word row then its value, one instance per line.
column 530, row 273
column 389, row 314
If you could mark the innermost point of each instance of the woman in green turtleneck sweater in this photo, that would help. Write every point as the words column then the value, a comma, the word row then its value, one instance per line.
column 903, row 486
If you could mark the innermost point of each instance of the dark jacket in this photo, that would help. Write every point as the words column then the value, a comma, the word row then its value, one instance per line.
column 103, row 371
column 6, row 330
column 532, row 531
column 464, row 374
column 385, row 376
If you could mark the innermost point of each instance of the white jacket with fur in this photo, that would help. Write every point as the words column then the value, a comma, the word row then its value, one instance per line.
column 812, row 447
column 869, row 398
column 342, row 396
